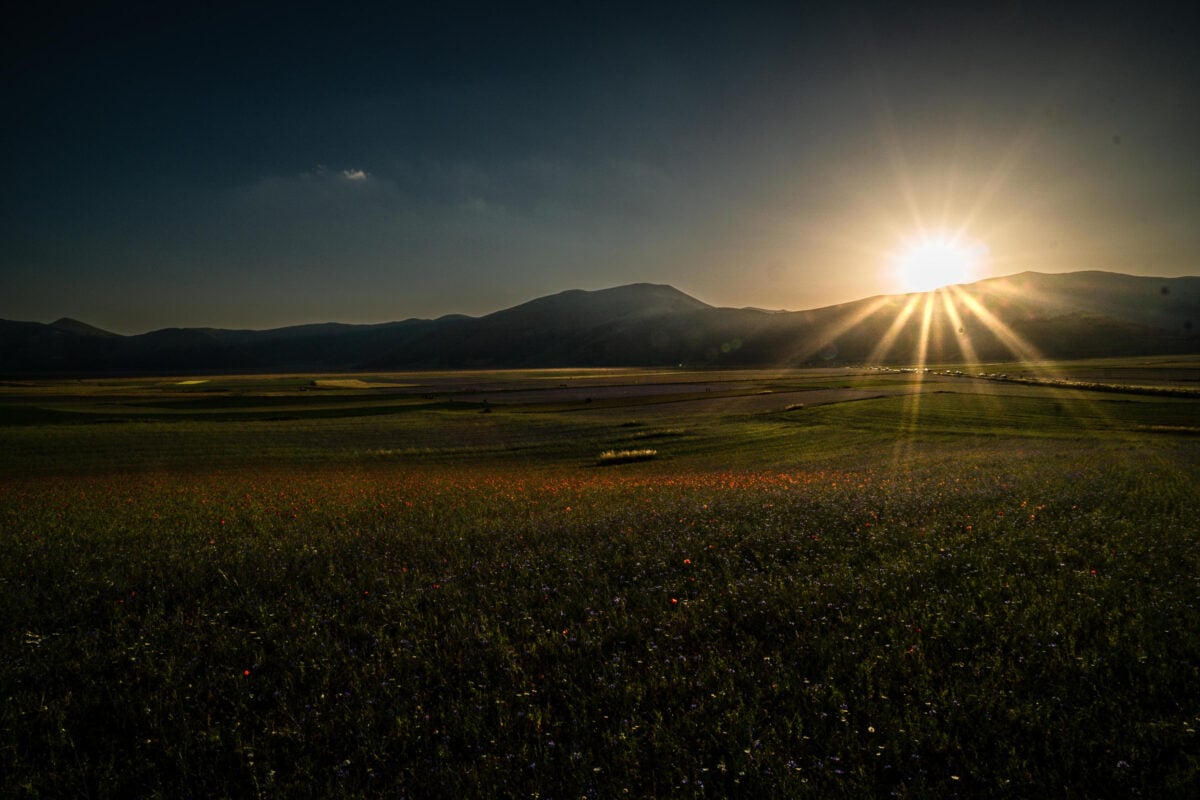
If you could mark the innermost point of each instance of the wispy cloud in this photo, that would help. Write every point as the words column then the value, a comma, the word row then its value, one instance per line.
column 322, row 172
column 286, row 209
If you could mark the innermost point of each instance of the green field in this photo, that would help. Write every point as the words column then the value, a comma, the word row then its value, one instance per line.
column 813, row 583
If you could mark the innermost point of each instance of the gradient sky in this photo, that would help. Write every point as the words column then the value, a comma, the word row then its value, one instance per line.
column 254, row 165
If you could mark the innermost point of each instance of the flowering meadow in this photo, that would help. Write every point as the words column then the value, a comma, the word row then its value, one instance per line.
column 1011, row 617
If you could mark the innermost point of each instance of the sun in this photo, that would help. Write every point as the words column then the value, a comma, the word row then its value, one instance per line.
column 930, row 262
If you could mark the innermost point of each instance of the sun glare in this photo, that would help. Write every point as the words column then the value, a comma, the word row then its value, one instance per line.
column 931, row 262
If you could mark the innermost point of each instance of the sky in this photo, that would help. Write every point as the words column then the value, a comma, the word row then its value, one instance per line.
column 254, row 165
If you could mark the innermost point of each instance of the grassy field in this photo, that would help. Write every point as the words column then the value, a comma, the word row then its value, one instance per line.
column 826, row 583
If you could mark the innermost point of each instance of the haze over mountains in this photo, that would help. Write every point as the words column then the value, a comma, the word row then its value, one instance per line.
column 1069, row 315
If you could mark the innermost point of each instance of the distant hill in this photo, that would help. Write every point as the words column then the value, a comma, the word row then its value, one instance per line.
column 68, row 325
column 1071, row 315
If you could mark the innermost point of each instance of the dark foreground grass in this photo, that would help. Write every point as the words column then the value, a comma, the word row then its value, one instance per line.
column 1020, row 621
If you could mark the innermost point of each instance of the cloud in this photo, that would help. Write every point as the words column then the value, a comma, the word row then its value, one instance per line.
column 322, row 173
column 322, row 190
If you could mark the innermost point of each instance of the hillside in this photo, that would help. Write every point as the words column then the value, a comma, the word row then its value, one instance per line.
column 1030, row 315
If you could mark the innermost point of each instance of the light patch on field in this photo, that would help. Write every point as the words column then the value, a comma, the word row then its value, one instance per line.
column 344, row 383
column 625, row 456
column 1184, row 429
column 191, row 383
column 358, row 383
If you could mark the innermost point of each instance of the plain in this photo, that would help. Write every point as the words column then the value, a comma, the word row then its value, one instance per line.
column 838, row 582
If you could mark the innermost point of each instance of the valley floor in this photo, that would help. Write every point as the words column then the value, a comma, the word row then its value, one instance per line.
column 819, row 583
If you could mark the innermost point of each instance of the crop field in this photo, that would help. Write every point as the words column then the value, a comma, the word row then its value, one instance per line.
column 602, row 583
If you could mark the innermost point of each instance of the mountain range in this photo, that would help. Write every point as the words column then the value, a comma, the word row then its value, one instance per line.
column 1024, row 316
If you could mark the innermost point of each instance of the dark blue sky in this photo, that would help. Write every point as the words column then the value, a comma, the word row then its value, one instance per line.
column 261, row 164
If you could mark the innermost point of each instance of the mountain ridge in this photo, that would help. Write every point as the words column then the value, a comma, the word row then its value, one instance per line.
column 1055, row 315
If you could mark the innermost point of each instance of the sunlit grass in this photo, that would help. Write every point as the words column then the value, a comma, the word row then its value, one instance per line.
column 995, row 597
column 997, row 621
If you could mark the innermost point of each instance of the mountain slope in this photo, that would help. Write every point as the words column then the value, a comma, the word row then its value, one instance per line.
column 1169, row 303
column 1026, row 316
column 68, row 325
column 563, row 329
